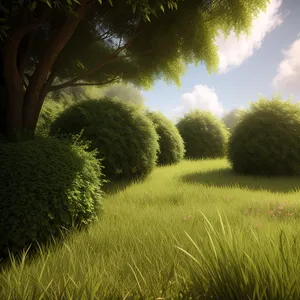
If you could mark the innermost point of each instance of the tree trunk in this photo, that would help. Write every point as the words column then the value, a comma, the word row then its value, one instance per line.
column 3, row 99
column 37, row 89
column 13, row 83
column 13, row 90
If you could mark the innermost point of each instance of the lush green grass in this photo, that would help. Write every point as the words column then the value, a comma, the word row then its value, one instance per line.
column 249, row 251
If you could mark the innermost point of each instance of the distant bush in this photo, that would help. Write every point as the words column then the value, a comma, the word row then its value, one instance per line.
column 204, row 135
column 125, row 92
column 266, row 141
column 46, row 185
column 231, row 118
column 123, row 135
column 171, row 147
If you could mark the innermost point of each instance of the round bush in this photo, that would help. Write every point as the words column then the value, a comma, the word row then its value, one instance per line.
column 122, row 134
column 266, row 140
column 171, row 147
column 204, row 135
column 46, row 184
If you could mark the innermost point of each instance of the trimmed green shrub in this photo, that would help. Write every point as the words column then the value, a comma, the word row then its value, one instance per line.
column 171, row 147
column 266, row 140
column 46, row 185
column 204, row 135
column 122, row 134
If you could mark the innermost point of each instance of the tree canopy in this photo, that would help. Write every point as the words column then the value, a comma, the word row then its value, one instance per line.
column 112, row 43
column 68, row 43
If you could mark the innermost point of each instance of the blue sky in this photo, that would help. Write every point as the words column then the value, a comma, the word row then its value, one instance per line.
column 266, row 62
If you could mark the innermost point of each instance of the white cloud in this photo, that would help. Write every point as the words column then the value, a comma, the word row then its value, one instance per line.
column 288, row 72
column 233, row 51
column 202, row 97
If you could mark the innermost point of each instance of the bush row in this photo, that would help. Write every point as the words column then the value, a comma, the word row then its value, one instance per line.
column 54, row 182
column 264, row 140
column 130, row 141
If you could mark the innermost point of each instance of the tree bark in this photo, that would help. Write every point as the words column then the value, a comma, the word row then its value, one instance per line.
column 3, row 98
column 13, row 82
column 24, row 52
column 36, row 92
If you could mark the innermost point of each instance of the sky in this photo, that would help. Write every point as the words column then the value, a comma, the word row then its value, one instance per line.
column 264, row 63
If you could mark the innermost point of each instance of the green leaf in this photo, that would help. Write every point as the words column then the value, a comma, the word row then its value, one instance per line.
column 162, row 8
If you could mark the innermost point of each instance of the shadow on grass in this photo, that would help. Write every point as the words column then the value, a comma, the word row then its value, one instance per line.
column 227, row 178
column 114, row 187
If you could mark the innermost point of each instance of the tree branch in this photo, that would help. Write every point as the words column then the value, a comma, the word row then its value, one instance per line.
column 45, row 89
column 104, row 35
column 33, row 100
column 58, row 87
column 14, row 82
column 88, row 73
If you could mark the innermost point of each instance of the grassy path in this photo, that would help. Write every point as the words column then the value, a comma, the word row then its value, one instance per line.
column 134, row 248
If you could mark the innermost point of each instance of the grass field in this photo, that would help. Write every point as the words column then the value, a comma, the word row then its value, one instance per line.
column 192, row 230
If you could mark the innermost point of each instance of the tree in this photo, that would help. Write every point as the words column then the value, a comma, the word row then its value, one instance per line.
column 71, row 43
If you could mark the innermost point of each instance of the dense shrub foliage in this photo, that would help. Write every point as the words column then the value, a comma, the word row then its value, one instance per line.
column 266, row 140
column 45, row 184
column 171, row 147
column 123, row 135
column 49, row 113
column 204, row 135
column 52, row 107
